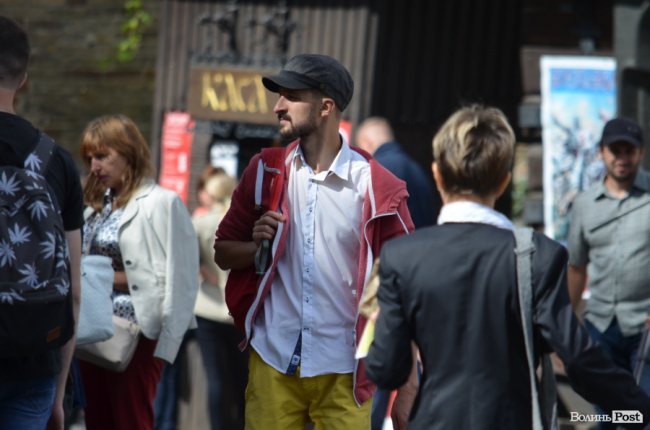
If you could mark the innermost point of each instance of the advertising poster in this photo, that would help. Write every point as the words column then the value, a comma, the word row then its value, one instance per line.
column 578, row 97
column 223, row 153
column 176, row 151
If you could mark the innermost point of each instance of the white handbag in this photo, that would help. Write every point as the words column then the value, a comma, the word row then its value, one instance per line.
column 96, row 308
column 116, row 353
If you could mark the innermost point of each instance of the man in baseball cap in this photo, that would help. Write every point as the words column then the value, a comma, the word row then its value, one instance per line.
column 609, row 238
column 622, row 130
column 337, row 207
column 621, row 148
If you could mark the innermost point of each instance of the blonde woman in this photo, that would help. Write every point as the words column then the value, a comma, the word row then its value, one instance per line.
column 202, row 196
column 225, row 365
column 147, row 231
column 452, row 289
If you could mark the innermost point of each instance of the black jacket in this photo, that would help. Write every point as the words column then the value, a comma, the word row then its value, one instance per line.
column 452, row 289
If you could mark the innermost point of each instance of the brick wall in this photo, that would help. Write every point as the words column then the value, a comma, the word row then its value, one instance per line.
column 72, row 75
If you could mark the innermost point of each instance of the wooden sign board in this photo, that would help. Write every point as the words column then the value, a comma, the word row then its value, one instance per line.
column 230, row 95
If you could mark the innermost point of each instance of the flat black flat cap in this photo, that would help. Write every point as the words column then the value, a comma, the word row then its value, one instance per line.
column 314, row 71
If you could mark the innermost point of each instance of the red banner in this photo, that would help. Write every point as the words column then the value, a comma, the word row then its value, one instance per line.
column 176, row 149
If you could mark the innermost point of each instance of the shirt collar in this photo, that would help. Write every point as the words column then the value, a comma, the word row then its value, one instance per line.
column 642, row 180
column 602, row 191
column 466, row 211
column 339, row 167
column 641, row 184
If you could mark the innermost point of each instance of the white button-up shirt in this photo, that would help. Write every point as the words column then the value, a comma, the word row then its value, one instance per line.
column 313, row 292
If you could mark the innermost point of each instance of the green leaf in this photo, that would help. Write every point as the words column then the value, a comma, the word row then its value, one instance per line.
column 137, row 20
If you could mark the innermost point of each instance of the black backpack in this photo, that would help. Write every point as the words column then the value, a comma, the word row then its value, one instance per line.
column 35, row 300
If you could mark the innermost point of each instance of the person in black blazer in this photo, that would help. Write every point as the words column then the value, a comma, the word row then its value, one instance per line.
column 452, row 290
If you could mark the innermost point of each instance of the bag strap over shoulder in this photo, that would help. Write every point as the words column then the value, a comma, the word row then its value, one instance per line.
column 524, row 249
column 271, row 161
column 39, row 160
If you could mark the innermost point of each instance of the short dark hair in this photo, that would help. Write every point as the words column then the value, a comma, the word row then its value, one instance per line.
column 14, row 53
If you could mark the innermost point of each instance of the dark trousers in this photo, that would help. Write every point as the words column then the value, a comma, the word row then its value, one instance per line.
column 227, row 372
column 165, row 405
column 624, row 352
column 26, row 404
column 379, row 409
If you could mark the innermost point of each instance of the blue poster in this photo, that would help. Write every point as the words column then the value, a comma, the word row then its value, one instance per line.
column 578, row 97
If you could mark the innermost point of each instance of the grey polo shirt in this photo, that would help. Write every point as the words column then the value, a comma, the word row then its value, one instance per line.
column 611, row 237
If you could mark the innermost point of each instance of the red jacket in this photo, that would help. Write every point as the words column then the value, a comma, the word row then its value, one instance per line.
column 385, row 216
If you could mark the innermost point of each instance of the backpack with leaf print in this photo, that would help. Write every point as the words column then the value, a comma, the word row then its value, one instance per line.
column 35, row 300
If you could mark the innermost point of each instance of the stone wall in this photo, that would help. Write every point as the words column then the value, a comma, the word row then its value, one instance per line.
column 73, row 74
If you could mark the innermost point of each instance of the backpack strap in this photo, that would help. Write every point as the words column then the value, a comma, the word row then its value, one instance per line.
column 39, row 160
column 271, row 161
column 524, row 249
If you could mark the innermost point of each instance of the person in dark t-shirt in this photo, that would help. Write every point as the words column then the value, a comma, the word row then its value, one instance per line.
column 375, row 135
column 32, row 387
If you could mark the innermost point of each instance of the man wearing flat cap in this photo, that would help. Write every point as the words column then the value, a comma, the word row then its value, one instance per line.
column 337, row 206
column 609, row 240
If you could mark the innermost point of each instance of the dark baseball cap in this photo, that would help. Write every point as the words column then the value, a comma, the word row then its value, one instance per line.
column 314, row 71
column 622, row 130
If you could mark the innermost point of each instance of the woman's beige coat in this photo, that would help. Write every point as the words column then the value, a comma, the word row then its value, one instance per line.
column 160, row 253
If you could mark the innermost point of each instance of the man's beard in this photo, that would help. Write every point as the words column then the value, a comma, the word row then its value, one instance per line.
column 628, row 177
column 298, row 131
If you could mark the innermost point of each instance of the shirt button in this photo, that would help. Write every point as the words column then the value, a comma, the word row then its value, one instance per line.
column 134, row 287
column 127, row 262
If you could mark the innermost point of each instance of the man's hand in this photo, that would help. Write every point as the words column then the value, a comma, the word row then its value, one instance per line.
column 406, row 394
column 265, row 227
column 576, row 281
column 403, row 404
column 234, row 254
